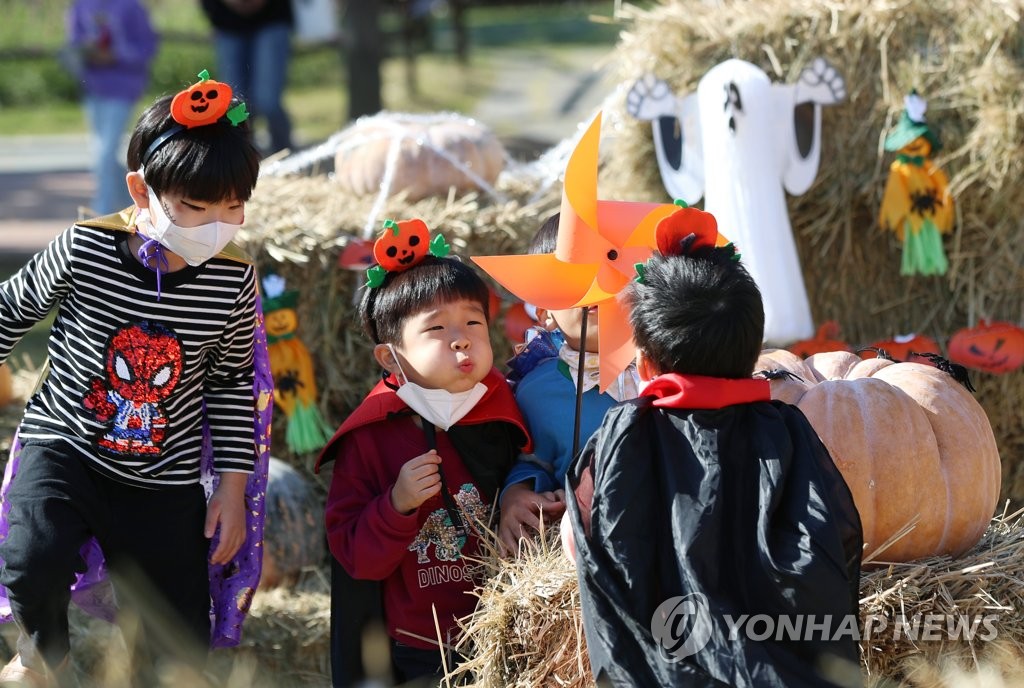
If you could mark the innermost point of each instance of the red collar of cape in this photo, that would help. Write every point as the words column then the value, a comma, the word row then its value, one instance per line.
column 497, row 403
column 701, row 392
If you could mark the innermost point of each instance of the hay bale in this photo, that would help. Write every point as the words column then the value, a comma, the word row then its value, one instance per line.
column 965, row 59
column 527, row 630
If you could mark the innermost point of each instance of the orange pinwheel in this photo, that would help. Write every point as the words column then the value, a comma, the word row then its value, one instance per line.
column 599, row 244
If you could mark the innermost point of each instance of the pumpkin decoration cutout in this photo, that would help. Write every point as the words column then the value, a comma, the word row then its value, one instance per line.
column 517, row 322
column 402, row 244
column 295, row 389
column 202, row 103
column 916, row 204
column 825, row 339
column 996, row 347
column 911, row 442
column 493, row 304
column 357, row 254
column 902, row 347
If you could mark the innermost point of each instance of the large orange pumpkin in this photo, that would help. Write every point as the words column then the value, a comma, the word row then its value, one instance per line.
column 910, row 441
column 420, row 155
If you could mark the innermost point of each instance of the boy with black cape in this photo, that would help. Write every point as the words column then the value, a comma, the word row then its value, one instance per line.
column 703, row 514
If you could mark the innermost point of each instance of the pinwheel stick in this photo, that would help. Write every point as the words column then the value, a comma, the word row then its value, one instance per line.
column 579, row 384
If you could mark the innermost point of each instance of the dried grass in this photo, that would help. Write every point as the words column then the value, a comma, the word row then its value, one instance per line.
column 527, row 630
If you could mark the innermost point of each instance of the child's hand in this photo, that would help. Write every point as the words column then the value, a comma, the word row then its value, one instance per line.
column 521, row 506
column 417, row 482
column 227, row 508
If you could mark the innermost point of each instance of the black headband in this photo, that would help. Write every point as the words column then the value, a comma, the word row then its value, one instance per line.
column 161, row 140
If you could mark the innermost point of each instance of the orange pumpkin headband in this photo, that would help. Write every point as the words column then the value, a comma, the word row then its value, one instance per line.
column 402, row 245
column 688, row 232
column 202, row 103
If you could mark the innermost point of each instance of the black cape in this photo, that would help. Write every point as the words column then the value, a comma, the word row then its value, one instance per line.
column 742, row 505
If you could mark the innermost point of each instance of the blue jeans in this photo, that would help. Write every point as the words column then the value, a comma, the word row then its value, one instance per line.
column 107, row 119
column 255, row 64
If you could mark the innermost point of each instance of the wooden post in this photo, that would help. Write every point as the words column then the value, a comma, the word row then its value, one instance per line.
column 361, row 50
column 458, row 10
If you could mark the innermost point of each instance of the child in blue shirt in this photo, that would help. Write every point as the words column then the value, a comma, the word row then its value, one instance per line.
column 546, row 394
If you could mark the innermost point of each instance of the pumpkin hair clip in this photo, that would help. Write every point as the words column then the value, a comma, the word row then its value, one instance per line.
column 204, row 102
column 689, row 232
column 403, row 244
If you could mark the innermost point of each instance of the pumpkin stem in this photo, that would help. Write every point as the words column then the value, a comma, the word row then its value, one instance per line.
column 393, row 226
column 954, row 370
column 777, row 374
column 204, row 75
column 881, row 353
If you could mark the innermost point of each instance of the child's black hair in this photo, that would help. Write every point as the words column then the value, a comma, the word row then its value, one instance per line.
column 698, row 315
column 384, row 309
column 213, row 163
column 546, row 238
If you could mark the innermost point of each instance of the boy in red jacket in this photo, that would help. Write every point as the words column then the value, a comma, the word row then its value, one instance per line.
column 420, row 461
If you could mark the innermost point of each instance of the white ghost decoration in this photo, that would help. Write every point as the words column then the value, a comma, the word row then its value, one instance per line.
column 738, row 142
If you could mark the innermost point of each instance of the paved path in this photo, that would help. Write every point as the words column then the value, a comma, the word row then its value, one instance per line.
column 539, row 98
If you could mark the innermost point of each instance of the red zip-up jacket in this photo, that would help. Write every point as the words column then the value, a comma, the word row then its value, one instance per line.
column 419, row 557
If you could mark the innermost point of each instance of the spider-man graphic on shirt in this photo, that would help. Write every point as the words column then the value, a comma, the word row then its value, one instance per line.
column 143, row 363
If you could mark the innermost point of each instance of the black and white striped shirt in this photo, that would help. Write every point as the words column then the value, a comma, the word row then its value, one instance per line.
column 129, row 373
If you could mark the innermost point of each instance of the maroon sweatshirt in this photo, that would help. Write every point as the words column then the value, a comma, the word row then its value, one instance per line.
column 419, row 557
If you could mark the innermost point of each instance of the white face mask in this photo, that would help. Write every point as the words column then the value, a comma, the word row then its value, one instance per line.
column 438, row 406
column 195, row 245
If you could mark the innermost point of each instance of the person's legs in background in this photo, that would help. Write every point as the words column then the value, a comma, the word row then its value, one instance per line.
column 234, row 62
column 270, row 55
column 107, row 120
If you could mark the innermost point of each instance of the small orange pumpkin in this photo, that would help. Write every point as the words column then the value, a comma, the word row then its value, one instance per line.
column 910, row 441
column 826, row 339
column 202, row 103
column 901, row 346
column 402, row 244
column 996, row 347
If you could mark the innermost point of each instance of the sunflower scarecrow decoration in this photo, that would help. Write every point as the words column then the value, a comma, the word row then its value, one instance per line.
column 917, row 205
column 295, row 388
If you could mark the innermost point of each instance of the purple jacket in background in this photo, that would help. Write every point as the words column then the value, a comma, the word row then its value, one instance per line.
column 124, row 26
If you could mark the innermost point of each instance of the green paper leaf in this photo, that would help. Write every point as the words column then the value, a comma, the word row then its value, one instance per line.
column 204, row 75
column 238, row 114
column 392, row 225
column 681, row 203
column 439, row 246
column 375, row 276
column 641, row 271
